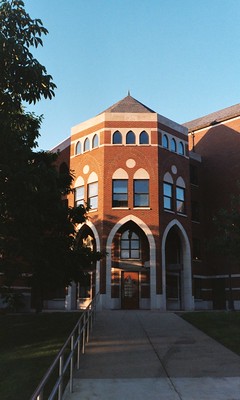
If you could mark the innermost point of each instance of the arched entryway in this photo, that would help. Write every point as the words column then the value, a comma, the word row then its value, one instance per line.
column 176, row 268
column 130, row 266
column 86, row 283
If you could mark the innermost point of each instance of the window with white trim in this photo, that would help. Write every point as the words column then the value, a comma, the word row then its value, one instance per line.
column 144, row 138
column 165, row 141
column 141, row 192
column 79, row 196
column 130, row 138
column 95, row 141
column 117, row 138
column 180, row 200
column 93, row 195
column 167, row 196
column 120, row 193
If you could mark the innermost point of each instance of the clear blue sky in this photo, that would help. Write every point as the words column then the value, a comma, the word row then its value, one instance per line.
column 179, row 57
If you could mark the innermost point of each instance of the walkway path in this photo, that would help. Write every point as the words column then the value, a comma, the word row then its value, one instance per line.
column 150, row 355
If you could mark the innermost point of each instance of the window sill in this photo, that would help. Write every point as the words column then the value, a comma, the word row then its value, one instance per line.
column 182, row 215
column 120, row 208
column 142, row 208
column 169, row 211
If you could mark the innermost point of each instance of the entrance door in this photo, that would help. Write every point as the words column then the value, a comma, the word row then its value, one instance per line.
column 130, row 290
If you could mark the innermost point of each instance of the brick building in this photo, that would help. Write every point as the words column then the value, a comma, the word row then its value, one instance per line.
column 153, row 186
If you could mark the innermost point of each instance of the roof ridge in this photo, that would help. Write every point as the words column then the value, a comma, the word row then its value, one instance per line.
column 128, row 104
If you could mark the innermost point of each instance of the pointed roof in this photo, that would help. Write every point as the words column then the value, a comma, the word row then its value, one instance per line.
column 213, row 118
column 128, row 105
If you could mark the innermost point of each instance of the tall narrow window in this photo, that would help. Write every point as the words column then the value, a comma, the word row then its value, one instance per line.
column 144, row 139
column 173, row 145
column 141, row 192
column 130, row 245
column 130, row 138
column 79, row 196
column 120, row 193
column 78, row 148
column 165, row 141
column 167, row 196
column 95, row 141
column 180, row 200
column 86, row 146
column 117, row 138
column 181, row 148
column 93, row 195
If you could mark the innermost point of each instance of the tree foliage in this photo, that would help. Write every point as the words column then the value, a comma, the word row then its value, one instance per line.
column 37, row 229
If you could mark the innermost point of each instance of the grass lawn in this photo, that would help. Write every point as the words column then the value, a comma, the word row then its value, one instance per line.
column 28, row 345
column 222, row 326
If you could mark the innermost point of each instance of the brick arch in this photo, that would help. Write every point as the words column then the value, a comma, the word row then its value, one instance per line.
column 187, row 264
column 152, row 259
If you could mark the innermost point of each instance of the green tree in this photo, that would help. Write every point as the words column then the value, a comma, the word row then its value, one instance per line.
column 37, row 229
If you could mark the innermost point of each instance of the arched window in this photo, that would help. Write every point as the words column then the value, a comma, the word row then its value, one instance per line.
column 173, row 145
column 78, row 148
column 130, row 245
column 144, row 139
column 165, row 141
column 95, row 141
column 130, row 138
column 180, row 148
column 117, row 138
column 86, row 146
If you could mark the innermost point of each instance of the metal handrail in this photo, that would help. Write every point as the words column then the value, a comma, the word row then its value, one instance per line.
column 76, row 340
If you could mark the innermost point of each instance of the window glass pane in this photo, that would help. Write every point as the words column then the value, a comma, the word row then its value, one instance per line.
column 117, row 138
column 78, row 148
column 134, row 236
column 180, row 193
column 135, row 254
column 92, row 189
column 93, row 202
column 165, row 142
column 180, row 207
column 125, row 244
column 144, row 139
column 120, row 186
column 79, row 195
column 86, row 145
column 141, row 186
column 120, row 193
column 181, row 148
column 141, row 200
column 125, row 254
column 130, row 139
column 135, row 244
column 141, row 190
column 95, row 141
column 167, row 189
column 173, row 145
column 167, row 203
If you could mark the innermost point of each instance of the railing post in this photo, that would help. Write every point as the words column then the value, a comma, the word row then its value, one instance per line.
column 71, row 365
column 79, row 344
column 84, row 333
column 60, row 375
column 87, row 325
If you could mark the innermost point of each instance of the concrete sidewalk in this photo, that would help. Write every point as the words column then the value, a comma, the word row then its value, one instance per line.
column 153, row 355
